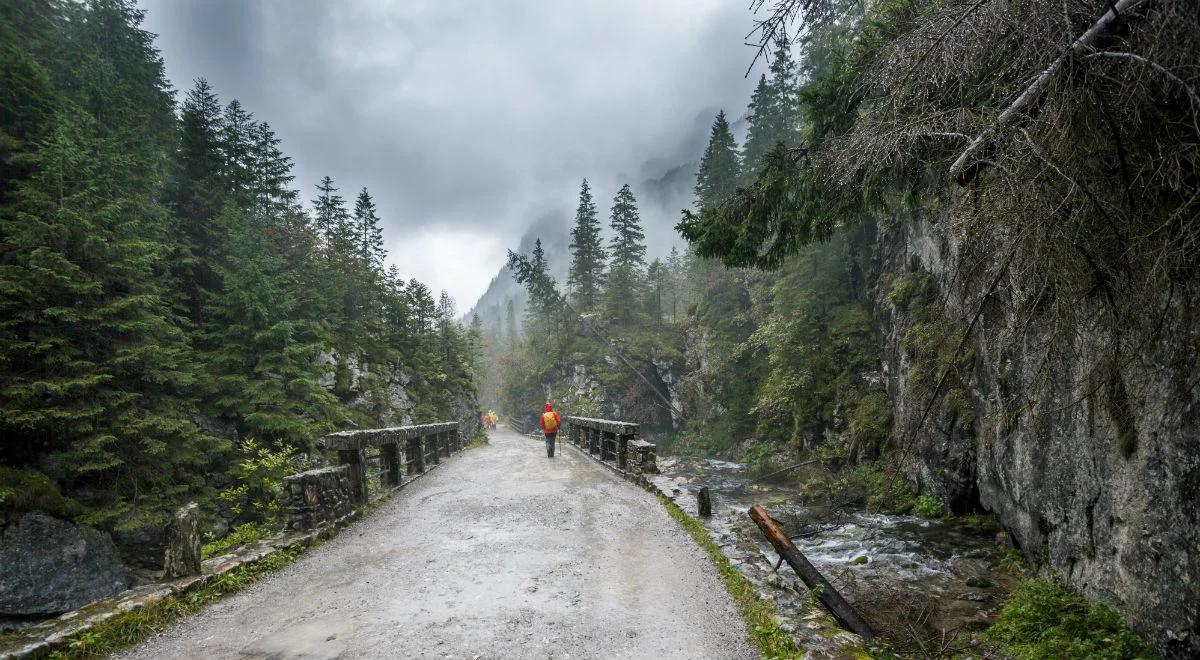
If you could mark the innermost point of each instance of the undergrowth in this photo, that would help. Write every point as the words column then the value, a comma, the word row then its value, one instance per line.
column 759, row 615
column 129, row 628
column 1044, row 621
column 241, row 535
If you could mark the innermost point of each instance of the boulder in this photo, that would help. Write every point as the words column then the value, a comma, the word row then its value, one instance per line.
column 52, row 566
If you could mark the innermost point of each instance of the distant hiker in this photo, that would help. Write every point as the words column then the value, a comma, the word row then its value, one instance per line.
column 549, row 423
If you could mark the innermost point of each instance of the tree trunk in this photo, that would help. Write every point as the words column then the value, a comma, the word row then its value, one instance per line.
column 833, row 600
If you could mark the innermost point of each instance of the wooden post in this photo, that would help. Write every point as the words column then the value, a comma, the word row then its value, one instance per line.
column 357, row 460
column 390, row 453
column 833, row 600
column 704, row 503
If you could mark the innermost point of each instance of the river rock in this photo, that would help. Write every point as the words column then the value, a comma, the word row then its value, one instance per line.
column 52, row 566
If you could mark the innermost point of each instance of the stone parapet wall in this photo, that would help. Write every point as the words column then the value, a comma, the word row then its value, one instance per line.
column 317, row 498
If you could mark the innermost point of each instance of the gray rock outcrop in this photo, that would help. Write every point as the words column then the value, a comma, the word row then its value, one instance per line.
column 1032, row 437
column 51, row 566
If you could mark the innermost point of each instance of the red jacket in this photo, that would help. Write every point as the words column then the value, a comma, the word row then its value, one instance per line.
column 542, row 419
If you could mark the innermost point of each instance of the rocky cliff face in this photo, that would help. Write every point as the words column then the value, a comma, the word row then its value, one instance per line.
column 1092, row 463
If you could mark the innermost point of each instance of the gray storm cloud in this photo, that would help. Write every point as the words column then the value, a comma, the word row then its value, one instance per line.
column 466, row 120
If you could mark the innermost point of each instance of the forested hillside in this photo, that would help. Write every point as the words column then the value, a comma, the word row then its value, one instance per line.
column 958, row 244
column 177, row 320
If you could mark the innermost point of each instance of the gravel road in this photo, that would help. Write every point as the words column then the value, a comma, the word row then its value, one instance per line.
column 499, row 553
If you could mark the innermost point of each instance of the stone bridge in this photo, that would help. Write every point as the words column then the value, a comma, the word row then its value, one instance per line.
column 501, row 552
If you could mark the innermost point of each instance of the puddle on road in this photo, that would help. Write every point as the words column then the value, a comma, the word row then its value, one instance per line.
column 942, row 573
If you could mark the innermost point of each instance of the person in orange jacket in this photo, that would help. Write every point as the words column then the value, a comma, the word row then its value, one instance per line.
column 549, row 422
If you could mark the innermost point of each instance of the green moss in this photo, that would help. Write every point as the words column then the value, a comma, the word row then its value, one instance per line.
column 1042, row 620
column 760, row 615
column 22, row 491
column 860, row 560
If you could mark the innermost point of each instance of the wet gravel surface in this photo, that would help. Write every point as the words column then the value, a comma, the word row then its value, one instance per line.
column 500, row 553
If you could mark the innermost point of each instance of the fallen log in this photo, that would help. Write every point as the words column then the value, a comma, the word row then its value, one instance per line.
column 841, row 610
column 972, row 160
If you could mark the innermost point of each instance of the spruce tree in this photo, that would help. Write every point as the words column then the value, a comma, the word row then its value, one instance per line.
column 657, row 289
column 237, row 149
column 586, row 275
column 773, row 112
column 368, row 234
column 760, row 133
column 537, row 307
column 332, row 220
column 511, row 331
column 95, row 369
column 628, row 252
column 717, row 178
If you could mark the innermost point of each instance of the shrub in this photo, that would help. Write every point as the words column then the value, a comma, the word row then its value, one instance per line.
column 258, row 476
column 1044, row 621
column 928, row 506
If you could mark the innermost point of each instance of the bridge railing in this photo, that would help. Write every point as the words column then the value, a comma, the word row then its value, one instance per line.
column 614, row 442
column 386, row 456
column 519, row 425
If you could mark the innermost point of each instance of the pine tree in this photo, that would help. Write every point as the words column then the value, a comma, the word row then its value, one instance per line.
column 537, row 308
column 773, row 111
column 237, row 149
column 628, row 252
column 716, row 180
column 677, row 272
column 760, row 133
column 332, row 220
column 586, row 275
column 94, row 366
column 197, row 195
column 367, row 232
column 657, row 288
column 272, row 173
column 512, row 333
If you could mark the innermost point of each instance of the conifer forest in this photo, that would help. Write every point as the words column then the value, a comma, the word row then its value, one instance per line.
column 926, row 287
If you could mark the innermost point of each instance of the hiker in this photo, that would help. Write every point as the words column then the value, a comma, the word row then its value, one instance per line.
column 549, row 422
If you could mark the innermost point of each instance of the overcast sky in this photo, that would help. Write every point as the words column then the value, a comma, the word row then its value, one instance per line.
column 467, row 120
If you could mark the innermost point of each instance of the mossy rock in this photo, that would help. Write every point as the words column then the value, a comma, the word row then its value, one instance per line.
column 860, row 560
column 22, row 491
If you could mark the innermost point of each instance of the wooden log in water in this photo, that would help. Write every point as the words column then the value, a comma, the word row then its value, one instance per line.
column 842, row 610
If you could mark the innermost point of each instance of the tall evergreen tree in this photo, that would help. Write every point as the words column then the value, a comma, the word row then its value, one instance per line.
column 368, row 234
column 511, row 332
column 94, row 367
column 717, row 178
column 628, row 251
column 237, row 149
column 537, row 308
column 332, row 220
column 586, row 275
column 773, row 112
